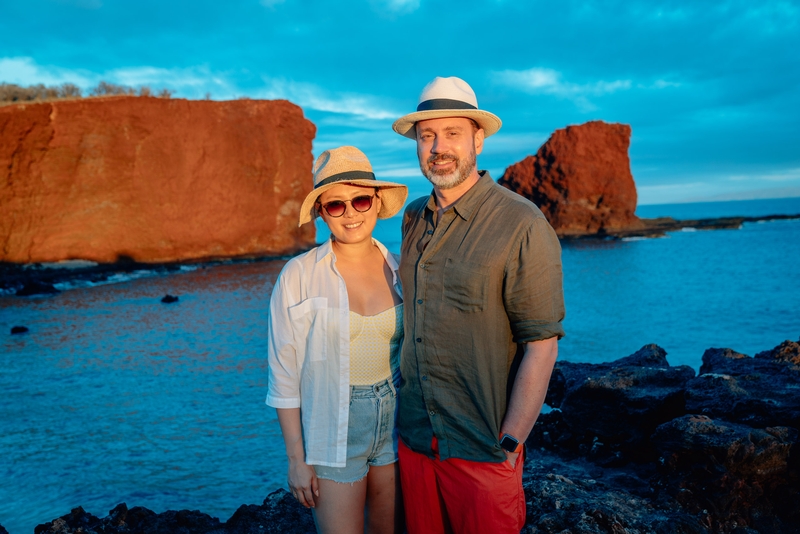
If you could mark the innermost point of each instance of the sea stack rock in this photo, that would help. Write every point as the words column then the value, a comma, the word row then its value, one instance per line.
column 581, row 179
column 152, row 179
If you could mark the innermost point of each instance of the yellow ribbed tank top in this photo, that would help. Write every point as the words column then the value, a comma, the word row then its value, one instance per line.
column 375, row 343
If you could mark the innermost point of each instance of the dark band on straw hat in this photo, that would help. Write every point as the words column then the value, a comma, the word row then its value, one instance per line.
column 346, row 177
column 443, row 103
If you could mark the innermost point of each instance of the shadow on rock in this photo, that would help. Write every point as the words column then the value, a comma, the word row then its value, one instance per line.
column 713, row 453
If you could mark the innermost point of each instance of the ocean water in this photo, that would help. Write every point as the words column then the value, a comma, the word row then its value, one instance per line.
column 115, row 397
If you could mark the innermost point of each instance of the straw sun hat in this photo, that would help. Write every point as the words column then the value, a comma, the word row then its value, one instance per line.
column 348, row 165
column 447, row 97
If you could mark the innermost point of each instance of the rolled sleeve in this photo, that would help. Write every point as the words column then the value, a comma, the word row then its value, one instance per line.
column 534, row 296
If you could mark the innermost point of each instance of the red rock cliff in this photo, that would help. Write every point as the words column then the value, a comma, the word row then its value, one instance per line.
column 154, row 180
column 581, row 179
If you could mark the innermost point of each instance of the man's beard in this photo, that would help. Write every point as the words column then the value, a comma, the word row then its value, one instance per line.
column 444, row 180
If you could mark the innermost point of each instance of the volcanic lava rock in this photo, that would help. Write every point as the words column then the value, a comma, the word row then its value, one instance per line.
column 788, row 351
column 609, row 410
column 581, row 179
column 140, row 179
column 35, row 287
column 738, row 475
column 759, row 392
column 279, row 513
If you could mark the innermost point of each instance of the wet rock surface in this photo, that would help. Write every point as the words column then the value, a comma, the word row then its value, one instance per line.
column 630, row 446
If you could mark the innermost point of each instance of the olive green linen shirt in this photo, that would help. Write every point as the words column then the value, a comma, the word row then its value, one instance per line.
column 478, row 280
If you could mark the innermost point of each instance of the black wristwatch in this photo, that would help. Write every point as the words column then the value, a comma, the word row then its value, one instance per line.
column 510, row 443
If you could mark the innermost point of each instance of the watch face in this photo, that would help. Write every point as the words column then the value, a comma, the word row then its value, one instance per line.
column 509, row 443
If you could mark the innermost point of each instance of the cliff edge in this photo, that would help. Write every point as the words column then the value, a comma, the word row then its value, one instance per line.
column 581, row 179
column 152, row 180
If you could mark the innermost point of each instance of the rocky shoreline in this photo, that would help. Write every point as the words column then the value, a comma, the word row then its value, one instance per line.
column 36, row 279
column 630, row 446
column 661, row 226
column 25, row 280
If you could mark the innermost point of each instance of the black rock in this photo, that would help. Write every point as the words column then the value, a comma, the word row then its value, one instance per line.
column 280, row 513
column 739, row 475
column 36, row 288
column 78, row 520
column 19, row 329
column 759, row 392
column 169, row 299
column 609, row 410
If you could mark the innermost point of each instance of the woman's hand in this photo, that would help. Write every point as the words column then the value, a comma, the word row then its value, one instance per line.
column 303, row 483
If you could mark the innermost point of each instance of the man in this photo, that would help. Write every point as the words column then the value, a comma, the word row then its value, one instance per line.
column 481, row 274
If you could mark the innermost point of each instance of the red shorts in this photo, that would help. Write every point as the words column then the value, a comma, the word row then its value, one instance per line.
column 461, row 496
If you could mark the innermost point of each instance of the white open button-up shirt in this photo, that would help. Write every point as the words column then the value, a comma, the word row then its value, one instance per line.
column 309, row 350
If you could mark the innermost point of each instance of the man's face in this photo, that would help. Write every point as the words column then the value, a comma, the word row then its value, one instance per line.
column 447, row 150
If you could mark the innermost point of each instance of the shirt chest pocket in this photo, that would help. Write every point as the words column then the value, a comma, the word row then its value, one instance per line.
column 310, row 320
column 466, row 285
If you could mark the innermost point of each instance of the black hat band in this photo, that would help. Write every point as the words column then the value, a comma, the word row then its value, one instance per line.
column 346, row 177
column 443, row 103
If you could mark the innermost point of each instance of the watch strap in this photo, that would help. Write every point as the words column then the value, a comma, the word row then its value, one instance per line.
column 510, row 443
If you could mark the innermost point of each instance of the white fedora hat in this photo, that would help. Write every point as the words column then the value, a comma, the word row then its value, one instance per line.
column 447, row 97
column 348, row 165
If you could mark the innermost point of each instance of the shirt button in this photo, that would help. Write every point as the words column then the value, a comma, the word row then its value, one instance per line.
column 419, row 301
column 424, row 377
column 431, row 413
column 419, row 340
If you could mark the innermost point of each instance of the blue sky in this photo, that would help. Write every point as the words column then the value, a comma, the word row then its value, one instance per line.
column 711, row 89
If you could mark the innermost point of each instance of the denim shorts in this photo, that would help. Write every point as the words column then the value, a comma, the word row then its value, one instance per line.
column 371, row 433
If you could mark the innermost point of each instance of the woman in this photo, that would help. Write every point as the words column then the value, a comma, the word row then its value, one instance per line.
column 335, row 332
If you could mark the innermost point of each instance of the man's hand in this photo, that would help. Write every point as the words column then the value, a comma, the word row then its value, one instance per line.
column 512, row 458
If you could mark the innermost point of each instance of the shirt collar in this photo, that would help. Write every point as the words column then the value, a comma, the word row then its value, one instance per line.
column 467, row 204
column 325, row 249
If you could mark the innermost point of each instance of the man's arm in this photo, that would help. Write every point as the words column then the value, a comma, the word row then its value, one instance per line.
column 529, row 390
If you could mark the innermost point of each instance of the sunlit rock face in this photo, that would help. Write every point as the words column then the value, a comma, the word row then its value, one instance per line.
column 152, row 179
column 581, row 179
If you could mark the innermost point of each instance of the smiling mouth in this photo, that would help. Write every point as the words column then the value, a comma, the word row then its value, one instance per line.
column 354, row 225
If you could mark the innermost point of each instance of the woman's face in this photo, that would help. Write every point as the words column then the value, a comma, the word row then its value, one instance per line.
column 352, row 226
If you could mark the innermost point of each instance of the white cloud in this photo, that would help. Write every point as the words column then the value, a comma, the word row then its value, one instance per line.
column 782, row 175
column 753, row 194
column 549, row 82
column 192, row 82
column 25, row 71
column 398, row 172
column 396, row 7
column 663, row 84
column 314, row 97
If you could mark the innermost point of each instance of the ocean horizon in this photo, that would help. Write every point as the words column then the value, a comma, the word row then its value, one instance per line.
column 114, row 397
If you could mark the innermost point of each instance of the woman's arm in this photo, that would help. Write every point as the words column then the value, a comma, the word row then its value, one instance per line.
column 302, row 478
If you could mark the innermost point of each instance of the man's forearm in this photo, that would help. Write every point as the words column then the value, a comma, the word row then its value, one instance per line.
column 530, row 388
